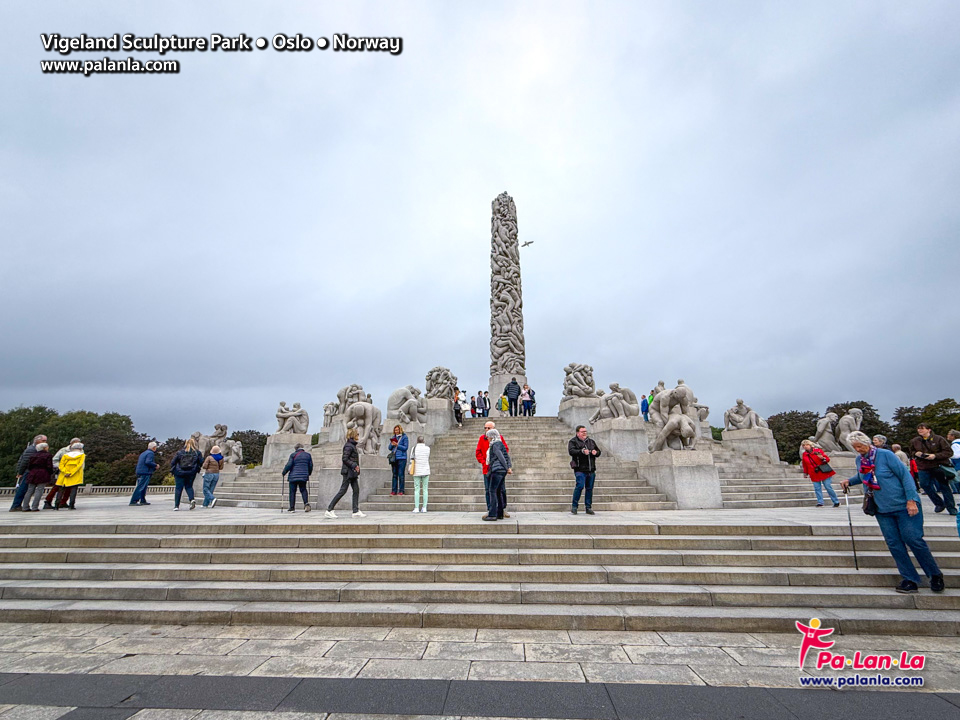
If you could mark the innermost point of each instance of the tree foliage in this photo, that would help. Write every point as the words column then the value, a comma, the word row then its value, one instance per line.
column 790, row 429
column 111, row 443
column 942, row 416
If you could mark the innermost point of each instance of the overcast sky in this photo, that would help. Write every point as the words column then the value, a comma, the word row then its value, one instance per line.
column 760, row 198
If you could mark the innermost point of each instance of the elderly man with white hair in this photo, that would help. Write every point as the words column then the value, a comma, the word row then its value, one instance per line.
column 146, row 466
column 890, row 495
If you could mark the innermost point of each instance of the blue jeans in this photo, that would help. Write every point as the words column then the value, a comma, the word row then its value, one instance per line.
column 819, row 491
column 399, row 479
column 527, row 404
column 300, row 485
column 646, row 416
column 140, row 491
column 20, row 493
column 584, row 480
column 512, row 406
column 495, row 494
column 210, row 481
column 183, row 483
column 901, row 532
column 934, row 482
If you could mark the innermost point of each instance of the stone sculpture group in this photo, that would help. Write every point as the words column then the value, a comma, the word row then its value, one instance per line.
column 742, row 417
column 677, row 417
column 406, row 406
column 440, row 383
column 232, row 450
column 292, row 420
column 578, row 382
column 620, row 402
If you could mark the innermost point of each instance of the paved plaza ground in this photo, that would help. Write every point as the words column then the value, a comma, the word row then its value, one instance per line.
column 282, row 672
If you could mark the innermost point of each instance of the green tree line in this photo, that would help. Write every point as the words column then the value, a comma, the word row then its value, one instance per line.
column 110, row 442
column 791, row 427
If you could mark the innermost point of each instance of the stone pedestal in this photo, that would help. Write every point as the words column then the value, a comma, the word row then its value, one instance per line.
column 499, row 382
column 755, row 441
column 439, row 417
column 280, row 445
column 687, row 477
column 578, row 411
column 625, row 437
column 845, row 464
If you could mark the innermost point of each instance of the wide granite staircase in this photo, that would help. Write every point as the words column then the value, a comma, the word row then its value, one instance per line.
column 532, row 571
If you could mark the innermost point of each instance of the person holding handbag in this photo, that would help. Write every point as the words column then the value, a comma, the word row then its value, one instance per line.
column 816, row 466
column 350, row 471
column 890, row 495
column 397, row 456
column 420, row 470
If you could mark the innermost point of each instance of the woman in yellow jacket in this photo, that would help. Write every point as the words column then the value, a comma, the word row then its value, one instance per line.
column 71, row 476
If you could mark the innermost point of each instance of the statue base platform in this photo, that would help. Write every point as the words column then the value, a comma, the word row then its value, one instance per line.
column 687, row 477
column 280, row 445
column 844, row 462
column 625, row 437
column 499, row 382
column 578, row 411
column 755, row 441
column 439, row 417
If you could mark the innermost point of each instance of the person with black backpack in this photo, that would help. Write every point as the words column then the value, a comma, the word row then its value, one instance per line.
column 185, row 466
column 299, row 467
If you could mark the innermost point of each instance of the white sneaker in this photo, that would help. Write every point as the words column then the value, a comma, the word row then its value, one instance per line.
column 424, row 510
column 193, row 504
column 176, row 509
column 213, row 502
column 330, row 514
column 416, row 510
column 359, row 514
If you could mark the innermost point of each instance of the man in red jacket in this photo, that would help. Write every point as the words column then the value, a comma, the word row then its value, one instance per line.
column 482, row 446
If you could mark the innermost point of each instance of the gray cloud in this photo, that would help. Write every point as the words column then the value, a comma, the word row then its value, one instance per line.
column 758, row 198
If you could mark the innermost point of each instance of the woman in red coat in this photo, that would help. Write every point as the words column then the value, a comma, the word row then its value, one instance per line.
column 812, row 458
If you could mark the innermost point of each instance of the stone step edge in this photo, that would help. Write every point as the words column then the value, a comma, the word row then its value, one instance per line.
column 549, row 617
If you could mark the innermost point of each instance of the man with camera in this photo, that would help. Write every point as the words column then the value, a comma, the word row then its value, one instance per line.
column 583, row 459
column 931, row 451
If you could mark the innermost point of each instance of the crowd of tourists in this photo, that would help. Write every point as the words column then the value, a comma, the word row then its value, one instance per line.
column 515, row 400
column 892, row 482
column 53, row 478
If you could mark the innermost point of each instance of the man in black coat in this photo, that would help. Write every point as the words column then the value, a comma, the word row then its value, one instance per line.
column 512, row 391
column 583, row 453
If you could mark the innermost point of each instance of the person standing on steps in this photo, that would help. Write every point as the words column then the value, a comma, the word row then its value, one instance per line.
column 898, row 451
column 481, row 454
column 185, row 466
column 399, row 444
column 486, row 403
column 812, row 460
column 146, row 466
column 350, row 471
column 211, row 468
column 892, row 495
column 512, row 391
column 421, row 474
column 645, row 408
column 931, row 451
column 502, row 405
column 526, row 400
column 583, row 459
column 457, row 409
column 298, row 470
column 498, row 462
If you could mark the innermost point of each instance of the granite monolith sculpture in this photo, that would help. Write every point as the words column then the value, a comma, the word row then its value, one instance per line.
column 507, row 347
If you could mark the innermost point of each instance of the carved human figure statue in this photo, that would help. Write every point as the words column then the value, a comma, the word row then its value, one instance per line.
column 329, row 410
column 348, row 395
column 742, row 417
column 824, row 437
column 656, row 417
column 440, row 383
column 619, row 402
column 206, row 442
column 849, row 423
column 681, row 428
column 293, row 420
column 232, row 451
column 578, row 381
column 365, row 417
column 406, row 405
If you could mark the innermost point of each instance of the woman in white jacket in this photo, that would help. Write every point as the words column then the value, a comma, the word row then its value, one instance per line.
column 421, row 474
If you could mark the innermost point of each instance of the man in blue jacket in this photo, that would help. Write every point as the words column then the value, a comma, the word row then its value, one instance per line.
column 146, row 467
column 645, row 408
column 300, row 467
